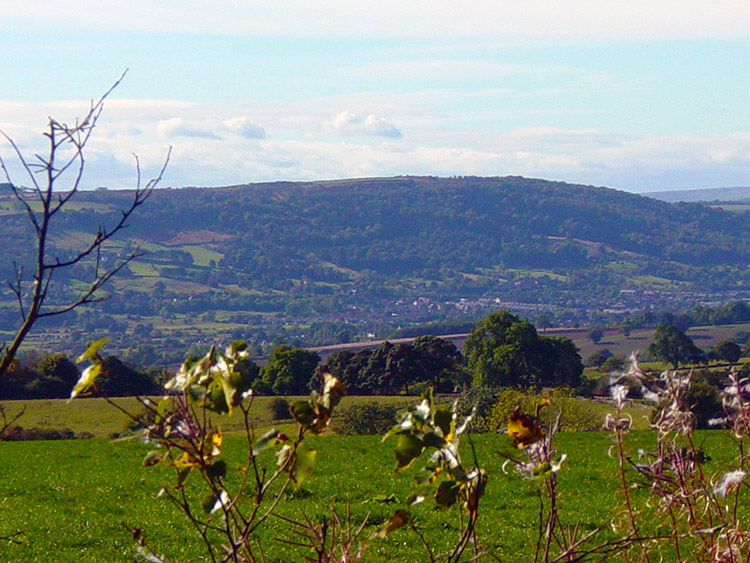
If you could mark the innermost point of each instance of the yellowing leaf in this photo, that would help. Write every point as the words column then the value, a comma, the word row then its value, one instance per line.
column 524, row 428
column 333, row 391
column 269, row 439
column 399, row 519
column 86, row 380
column 92, row 350
column 152, row 458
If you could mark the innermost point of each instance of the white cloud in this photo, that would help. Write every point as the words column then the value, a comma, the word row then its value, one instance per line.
column 209, row 128
column 178, row 127
column 574, row 20
column 244, row 127
column 306, row 144
column 352, row 124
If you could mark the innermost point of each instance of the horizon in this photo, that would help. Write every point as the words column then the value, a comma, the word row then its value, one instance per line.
column 638, row 97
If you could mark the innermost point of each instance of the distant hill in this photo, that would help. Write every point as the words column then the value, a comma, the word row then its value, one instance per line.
column 385, row 252
column 707, row 195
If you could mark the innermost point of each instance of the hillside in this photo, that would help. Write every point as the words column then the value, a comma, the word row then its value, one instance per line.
column 739, row 194
column 382, row 252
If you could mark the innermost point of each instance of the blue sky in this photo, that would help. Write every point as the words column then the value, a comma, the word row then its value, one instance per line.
column 633, row 95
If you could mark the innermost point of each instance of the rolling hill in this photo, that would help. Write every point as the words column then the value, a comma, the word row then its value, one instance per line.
column 389, row 251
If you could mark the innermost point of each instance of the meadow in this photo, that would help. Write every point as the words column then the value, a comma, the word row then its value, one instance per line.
column 79, row 500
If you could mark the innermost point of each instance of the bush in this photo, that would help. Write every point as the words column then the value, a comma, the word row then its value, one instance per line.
column 371, row 418
column 20, row 434
column 280, row 409
column 578, row 415
column 484, row 398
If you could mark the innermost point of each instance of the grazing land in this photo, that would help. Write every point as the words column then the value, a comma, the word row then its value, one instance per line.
column 79, row 500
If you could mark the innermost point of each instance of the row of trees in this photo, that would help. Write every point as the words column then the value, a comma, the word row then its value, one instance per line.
column 501, row 351
column 672, row 345
column 52, row 376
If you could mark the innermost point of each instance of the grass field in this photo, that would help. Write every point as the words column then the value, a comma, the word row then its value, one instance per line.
column 639, row 339
column 95, row 416
column 77, row 500
column 65, row 501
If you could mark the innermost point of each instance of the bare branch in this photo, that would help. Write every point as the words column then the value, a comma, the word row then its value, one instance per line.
column 59, row 135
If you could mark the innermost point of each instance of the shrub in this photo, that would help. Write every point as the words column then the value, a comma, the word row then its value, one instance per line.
column 20, row 434
column 370, row 418
column 578, row 415
column 280, row 409
column 506, row 400
column 484, row 398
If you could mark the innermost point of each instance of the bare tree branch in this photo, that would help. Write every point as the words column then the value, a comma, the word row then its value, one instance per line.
column 53, row 166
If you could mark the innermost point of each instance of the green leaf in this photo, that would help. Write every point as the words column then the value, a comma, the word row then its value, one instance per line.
column 217, row 470
column 447, row 493
column 303, row 412
column 163, row 408
column 385, row 499
column 432, row 440
column 444, row 420
column 92, row 350
column 408, row 448
column 182, row 474
column 303, row 465
column 229, row 389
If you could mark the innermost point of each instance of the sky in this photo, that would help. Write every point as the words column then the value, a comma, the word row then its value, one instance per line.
column 637, row 95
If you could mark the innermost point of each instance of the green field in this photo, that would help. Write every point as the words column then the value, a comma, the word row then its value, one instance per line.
column 77, row 500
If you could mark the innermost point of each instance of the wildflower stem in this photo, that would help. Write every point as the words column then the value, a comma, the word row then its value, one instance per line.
column 626, row 495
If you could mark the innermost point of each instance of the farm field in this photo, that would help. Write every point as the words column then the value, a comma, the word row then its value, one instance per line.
column 78, row 500
column 100, row 419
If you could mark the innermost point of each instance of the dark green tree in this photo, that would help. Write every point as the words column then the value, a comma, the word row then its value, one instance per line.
column 57, row 375
column 289, row 369
column 119, row 379
column 392, row 368
column 674, row 346
column 503, row 350
column 440, row 363
column 595, row 335
column 728, row 351
column 348, row 367
column 561, row 362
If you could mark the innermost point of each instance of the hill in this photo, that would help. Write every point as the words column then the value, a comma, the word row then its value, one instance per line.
column 707, row 195
column 341, row 260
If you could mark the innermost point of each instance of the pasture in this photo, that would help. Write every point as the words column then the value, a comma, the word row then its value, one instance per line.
column 79, row 500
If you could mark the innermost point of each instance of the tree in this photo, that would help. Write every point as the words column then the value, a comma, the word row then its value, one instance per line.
column 118, row 379
column 391, row 368
column 561, row 362
column 674, row 346
column 63, row 164
column 58, row 375
column 503, row 350
column 595, row 335
column 289, row 369
column 348, row 367
column 440, row 363
column 728, row 351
